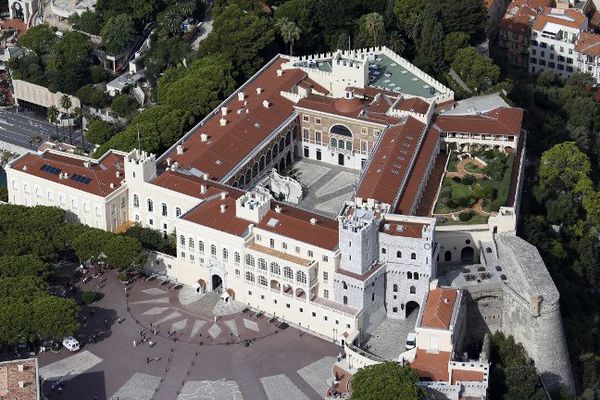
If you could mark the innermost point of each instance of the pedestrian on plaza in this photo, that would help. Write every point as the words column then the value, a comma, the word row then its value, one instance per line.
column 105, row 322
column 134, row 343
column 147, row 360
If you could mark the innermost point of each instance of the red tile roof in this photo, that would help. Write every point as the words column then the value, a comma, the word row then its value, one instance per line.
column 295, row 223
column 10, row 376
column 426, row 153
column 209, row 214
column 500, row 121
column 432, row 366
column 439, row 307
column 521, row 14
column 102, row 173
column 190, row 185
column 414, row 104
column 461, row 375
column 404, row 229
column 570, row 17
column 228, row 145
column 588, row 44
column 390, row 164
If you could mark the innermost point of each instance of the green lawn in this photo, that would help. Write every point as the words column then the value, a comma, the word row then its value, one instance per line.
column 475, row 220
column 473, row 168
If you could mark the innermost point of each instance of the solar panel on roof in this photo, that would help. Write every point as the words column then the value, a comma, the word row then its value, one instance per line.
column 50, row 169
column 81, row 179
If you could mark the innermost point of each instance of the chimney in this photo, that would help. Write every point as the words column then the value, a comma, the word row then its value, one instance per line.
column 278, row 209
column 241, row 96
column 205, row 177
column 222, row 122
column 259, row 90
column 279, row 72
column 112, row 185
column 24, row 167
column 446, row 301
column 223, row 111
column 168, row 161
column 179, row 149
column 20, row 367
column 203, row 137
column 118, row 174
column 86, row 163
column 223, row 208
column 203, row 189
column 223, row 195
column 313, row 221
column 21, row 384
column 266, row 104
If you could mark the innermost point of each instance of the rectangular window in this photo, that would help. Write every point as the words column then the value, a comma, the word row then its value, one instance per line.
column 284, row 245
column 310, row 253
column 325, row 258
column 305, row 118
column 164, row 210
column 364, row 146
column 318, row 137
column 317, row 120
column 326, row 293
column 272, row 243
column 305, row 134
column 364, row 130
column 325, row 276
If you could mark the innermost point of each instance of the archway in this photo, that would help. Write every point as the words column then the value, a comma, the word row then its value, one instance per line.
column 410, row 308
column 217, row 282
column 448, row 256
column 467, row 254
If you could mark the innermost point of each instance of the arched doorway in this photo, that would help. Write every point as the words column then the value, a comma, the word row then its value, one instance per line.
column 412, row 309
column 467, row 254
column 448, row 256
column 217, row 282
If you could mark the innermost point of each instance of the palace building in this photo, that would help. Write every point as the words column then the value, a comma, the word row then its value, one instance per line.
column 376, row 260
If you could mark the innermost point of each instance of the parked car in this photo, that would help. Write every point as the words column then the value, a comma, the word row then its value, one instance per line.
column 411, row 341
column 70, row 343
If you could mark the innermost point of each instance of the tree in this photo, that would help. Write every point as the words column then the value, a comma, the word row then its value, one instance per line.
column 24, row 265
column 384, row 381
column 186, row 8
column 118, row 33
column 52, row 113
column 240, row 37
column 90, row 96
column 302, row 13
column 90, row 244
column 373, row 23
column 98, row 131
column 78, row 115
column 54, row 317
column 289, row 31
column 123, row 105
column 88, row 21
column 454, row 42
column 122, row 252
column 38, row 39
column 68, row 63
column 478, row 72
column 428, row 35
column 171, row 22
column 65, row 103
column 563, row 168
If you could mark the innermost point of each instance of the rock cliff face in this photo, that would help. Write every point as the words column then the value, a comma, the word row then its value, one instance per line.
column 531, row 310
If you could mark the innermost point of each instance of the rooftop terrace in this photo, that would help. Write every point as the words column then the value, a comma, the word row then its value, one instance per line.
column 384, row 73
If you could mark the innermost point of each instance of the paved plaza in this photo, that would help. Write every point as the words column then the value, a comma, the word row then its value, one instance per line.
column 328, row 186
column 388, row 340
column 202, row 349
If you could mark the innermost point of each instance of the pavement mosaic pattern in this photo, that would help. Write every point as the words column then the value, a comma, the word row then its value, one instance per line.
column 281, row 387
column 210, row 390
column 327, row 186
column 253, row 326
column 316, row 374
column 70, row 366
column 138, row 387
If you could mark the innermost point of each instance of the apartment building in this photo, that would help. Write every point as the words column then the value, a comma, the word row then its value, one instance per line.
column 588, row 54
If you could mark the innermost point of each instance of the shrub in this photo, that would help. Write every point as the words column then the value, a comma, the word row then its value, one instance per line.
column 468, row 180
column 466, row 215
column 90, row 297
column 457, row 179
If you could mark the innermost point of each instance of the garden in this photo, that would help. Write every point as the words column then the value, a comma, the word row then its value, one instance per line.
column 476, row 184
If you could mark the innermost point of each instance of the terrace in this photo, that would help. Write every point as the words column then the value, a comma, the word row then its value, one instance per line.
column 386, row 74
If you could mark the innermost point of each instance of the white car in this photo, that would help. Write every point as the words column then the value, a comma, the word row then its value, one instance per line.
column 70, row 343
column 411, row 341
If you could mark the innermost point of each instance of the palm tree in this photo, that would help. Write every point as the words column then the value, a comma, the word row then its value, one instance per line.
column 172, row 22
column 186, row 8
column 289, row 31
column 65, row 103
column 373, row 23
column 53, row 116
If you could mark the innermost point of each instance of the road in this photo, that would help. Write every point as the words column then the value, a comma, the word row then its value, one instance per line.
column 19, row 127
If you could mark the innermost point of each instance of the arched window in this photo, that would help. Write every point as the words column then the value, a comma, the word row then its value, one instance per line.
column 398, row 254
column 416, row 276
column 164, row 209
column 413, row 290
column 409, row 275
column 150, row 205
column 249, row 260
column 178, row 212
column 191, row 243
column 262, row 264
column 213, row 250
column 275, row 268
column 182, row 240
column 201, row 246
column 413, row 256
column 340, row 130
column 288, row 273
column 136, row 200
column 395, row 288
column 225, row 254
column 249, row 276
column 301, row 277
column 333, row 142
column 345, row 300
column 262, row 280
column 236, row 257
column 373, row 296
column 344, row 285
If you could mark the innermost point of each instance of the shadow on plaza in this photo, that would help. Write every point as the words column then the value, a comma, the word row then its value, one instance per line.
column 96, row 324
column 85, row 386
